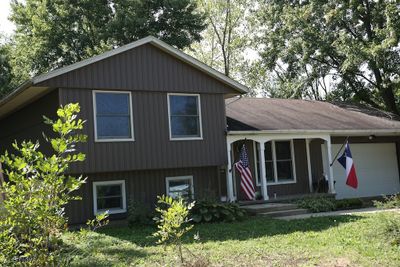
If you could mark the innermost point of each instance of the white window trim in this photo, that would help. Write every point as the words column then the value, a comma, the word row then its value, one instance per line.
column 200, row 118
column 179, row 178
column 275, row 164
column 96, row 139
column 110, row 211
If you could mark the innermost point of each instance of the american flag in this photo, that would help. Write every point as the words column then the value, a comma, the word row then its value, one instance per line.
column 246, row 180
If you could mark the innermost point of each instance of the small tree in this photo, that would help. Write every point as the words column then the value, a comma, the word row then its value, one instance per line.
column 37, row 190
column 171, row 224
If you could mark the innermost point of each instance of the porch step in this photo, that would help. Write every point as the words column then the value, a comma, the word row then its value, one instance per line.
column 282, row 213
column 268, row 207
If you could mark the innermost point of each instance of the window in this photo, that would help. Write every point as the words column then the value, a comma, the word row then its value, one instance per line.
column 109, row 196
column 279, row 162
column 113, row 116
column 184, row 117
column 181, row 186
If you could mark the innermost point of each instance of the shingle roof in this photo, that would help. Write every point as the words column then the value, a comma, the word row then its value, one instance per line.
column 246, row 114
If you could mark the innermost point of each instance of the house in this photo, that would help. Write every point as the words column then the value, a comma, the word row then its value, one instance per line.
column 156, row 121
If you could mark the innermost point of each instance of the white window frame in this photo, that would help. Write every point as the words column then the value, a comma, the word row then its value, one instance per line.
column 96, row 139
column 200, row 118
column 274, row 162
column 110, row 211
column 180, row 178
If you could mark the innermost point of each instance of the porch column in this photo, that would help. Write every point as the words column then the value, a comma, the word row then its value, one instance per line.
column 264, row 190
column 309, row 165
column 229, row 178
column 330, row 170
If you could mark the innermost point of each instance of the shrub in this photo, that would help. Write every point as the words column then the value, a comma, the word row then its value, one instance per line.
column 174, row 216
column 351, row 203
column 317, row 204
column 37, row 191
column 212, row 211
column 139, row 214
column 389, row 202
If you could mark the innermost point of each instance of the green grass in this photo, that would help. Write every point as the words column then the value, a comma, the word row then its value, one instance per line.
column 324, row 241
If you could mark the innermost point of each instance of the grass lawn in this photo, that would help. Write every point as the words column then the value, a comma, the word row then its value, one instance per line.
column 327, row 241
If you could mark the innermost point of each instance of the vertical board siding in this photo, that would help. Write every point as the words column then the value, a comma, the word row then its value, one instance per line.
column 27, row 123
column 144, row 68
column 143, row 186
column 152, row 148
column 300, row 187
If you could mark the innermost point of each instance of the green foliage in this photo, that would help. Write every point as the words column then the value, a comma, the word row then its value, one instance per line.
column 99, row 221
column 211, row 211
column 352, row 45
column 37, row 191
column 139, row 214
column 174, row 216
column 317, row 204
column 6, row 75
column 350, row 203
column 389, row 202
column 54, row 33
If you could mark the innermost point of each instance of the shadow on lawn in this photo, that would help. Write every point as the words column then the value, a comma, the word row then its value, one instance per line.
column 247, row 229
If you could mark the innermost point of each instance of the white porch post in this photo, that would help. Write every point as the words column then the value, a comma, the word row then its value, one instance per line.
column 330, row 170
column 309, row 165
column 264, row 190
column 229, row 178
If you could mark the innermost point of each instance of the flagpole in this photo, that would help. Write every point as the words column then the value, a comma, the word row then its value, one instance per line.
column 337, row 154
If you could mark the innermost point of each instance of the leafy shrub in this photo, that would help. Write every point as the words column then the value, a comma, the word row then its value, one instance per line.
column 139, row 214
column 317, row 204
column 212, row 211
column 174, row 216
column 351, row 203
column 389, row 202
column 37, row 191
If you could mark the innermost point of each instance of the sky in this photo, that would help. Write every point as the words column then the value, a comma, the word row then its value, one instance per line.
column 6, row 26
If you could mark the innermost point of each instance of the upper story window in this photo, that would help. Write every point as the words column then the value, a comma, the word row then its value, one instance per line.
column 184, row 116
column 112, row 116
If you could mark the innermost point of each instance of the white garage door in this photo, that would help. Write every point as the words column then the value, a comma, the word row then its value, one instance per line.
column 376, row 167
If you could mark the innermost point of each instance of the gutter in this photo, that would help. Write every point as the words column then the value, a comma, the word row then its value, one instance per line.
column 316, row 131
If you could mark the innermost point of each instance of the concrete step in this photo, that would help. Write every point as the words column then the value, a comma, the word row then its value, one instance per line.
column 268, row 207
column 282, row 213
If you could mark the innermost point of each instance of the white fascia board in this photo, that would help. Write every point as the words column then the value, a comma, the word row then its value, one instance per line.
column 330, row 132
column 160, row 44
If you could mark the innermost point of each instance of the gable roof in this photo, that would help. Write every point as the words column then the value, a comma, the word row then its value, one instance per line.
column 293, row 115
column 37, row 86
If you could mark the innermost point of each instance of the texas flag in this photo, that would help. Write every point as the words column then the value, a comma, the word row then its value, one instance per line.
column 346, row 161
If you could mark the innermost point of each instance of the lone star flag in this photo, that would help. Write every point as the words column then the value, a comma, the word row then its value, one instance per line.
column 246, row 180
column 346, row 160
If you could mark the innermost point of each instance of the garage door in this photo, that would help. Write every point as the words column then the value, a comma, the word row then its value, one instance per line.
column 376, row 167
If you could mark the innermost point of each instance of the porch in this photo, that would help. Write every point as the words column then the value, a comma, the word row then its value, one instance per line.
column 283, row 165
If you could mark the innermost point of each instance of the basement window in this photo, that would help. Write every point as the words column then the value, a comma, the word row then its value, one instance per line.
column 180, row 187
column 109, row 196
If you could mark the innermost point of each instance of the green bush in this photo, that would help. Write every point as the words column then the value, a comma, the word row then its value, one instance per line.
column 317, row 204
column 212, row 211
column 37, row 191
column 389, row 202
column 351, row 203
column 139, row 214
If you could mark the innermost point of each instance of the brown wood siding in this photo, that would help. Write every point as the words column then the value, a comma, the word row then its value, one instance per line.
column 27, row 123
column 143, row 186
column 152, row 148
column 300, row 187
column 145, row 68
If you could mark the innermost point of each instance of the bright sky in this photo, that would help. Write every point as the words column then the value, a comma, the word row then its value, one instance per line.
column 6, row 26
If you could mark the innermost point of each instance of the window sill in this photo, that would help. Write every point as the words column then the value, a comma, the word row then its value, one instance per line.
column 111, row 211
column 283, row 182
column 187, row 139
column 113, row 140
